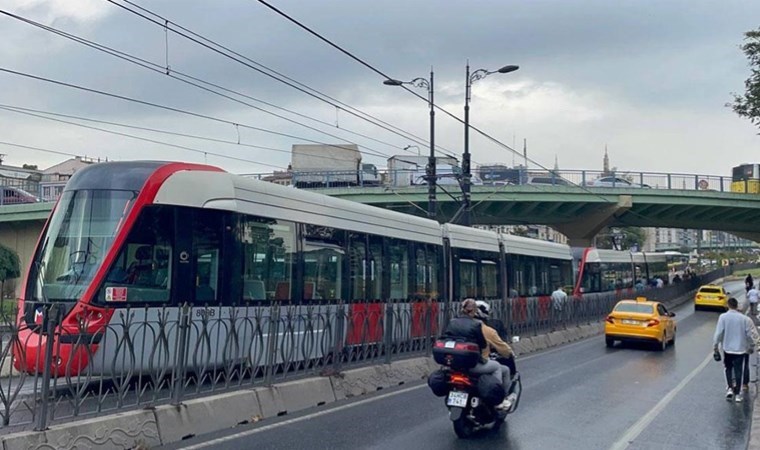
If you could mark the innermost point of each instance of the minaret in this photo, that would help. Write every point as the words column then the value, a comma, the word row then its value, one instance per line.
column 606, row 161
column 556, row 163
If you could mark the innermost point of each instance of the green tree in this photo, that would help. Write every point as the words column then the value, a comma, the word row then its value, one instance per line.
column 29, row 166
column 748, row 105
column 9, row 266
column 621, row 238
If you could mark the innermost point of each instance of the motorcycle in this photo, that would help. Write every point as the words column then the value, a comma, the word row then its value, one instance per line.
column 469, row 412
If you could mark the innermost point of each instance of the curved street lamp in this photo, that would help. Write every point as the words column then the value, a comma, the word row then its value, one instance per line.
column 466, row 173
column 430, row 175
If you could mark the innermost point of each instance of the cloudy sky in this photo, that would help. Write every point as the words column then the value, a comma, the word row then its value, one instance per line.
column 647, row 79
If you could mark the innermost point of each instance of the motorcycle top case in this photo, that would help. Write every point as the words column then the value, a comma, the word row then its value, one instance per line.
column 457, row 355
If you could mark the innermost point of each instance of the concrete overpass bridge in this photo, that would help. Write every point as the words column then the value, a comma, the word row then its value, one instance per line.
column 578, row 212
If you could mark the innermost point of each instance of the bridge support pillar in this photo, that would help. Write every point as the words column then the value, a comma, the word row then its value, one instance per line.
column 581, row 232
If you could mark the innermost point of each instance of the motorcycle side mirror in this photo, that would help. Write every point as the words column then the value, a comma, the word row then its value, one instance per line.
column 515, row 339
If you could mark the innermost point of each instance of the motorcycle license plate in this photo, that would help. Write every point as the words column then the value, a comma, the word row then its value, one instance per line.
column 457, row 399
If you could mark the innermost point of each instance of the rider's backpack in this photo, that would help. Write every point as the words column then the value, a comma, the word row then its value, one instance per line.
column 490, row 390
column 438, row 382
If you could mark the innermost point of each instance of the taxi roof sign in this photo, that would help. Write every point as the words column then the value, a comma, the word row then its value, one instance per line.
column 641, row 299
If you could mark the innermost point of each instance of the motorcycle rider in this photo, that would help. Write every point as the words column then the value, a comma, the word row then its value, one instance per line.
column 496, row 344
column 465, row 327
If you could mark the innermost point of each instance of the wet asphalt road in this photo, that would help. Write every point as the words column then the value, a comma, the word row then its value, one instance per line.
column 579, row 396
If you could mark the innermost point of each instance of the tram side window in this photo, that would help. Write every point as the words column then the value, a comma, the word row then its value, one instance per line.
column 468, row 278
column 268, row 249
column 375, row 268
column 399, row 269
column 142, row 271
column 323, row 255
column 357, row 266
column 207, row 245
column 489, row 279
column 426, row 271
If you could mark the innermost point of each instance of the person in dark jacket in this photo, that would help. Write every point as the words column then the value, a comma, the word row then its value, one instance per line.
column 748, row 282
column 466, row 328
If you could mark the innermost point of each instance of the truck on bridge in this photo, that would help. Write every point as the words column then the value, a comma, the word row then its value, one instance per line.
column 331, row 165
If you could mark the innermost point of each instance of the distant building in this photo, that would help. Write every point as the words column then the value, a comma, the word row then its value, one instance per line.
column 282, row 177
column 22, row 178
column 54, row 178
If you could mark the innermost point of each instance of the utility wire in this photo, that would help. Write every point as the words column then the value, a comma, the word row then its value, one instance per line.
column 37, row 149
column 160, row 69
column 153, row 141
column 385, row 76
column 169, row 25
column 379, row 72
column 135, row 127
column 164, row 107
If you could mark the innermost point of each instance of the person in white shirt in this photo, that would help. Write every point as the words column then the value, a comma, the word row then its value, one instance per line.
column 752, row 295
column 559, row 304
column 735, row 333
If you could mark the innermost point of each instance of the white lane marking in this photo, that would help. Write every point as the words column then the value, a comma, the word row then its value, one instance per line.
column 299, row 419
column 645, row 420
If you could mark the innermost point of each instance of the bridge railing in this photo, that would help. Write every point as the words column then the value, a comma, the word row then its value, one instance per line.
column 149, row 356
column 521, row 176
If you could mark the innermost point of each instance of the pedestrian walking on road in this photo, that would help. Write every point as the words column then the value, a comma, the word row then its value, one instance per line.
column 748, row 282
column 753, row 295
column 734, row 333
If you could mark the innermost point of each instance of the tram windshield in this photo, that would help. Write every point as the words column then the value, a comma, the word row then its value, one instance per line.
column 80, row 234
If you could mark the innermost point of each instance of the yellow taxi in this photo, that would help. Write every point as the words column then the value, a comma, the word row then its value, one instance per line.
column 640, row 320
column 711, row 296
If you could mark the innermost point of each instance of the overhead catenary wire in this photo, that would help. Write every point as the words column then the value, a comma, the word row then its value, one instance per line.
column 159, row 69
column 385, row 76
column 164, row 107
column 210, row 44
column 153, row 141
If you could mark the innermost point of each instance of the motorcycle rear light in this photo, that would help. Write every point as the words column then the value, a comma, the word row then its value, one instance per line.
column 460, row 379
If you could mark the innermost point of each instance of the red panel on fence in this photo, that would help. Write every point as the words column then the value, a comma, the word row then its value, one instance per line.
column 365, row 323
column 544, row 307
column 419, row 316
column 520, row 310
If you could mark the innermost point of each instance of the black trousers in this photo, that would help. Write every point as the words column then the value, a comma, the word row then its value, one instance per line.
column 733, row 365
column 745, row 363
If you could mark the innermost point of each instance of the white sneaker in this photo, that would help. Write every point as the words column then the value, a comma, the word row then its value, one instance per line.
column 507, row 403
column 729, row 394
column 738, row 398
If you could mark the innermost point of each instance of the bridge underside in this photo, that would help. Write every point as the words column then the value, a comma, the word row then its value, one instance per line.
column 580, row 213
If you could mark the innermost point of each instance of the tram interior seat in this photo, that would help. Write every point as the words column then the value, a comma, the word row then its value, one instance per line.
column 140, row 272
column 254, row 290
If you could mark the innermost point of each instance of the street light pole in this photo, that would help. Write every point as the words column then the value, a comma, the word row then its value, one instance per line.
column 466, row 172
column 430, row 174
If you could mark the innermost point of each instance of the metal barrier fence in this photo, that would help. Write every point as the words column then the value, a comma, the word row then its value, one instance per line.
column 149, row 356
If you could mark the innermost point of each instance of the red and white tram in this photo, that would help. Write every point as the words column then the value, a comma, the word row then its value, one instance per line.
column 155, row 236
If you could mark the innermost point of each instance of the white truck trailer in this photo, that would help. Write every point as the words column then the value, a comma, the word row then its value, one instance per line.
column 331, row 165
